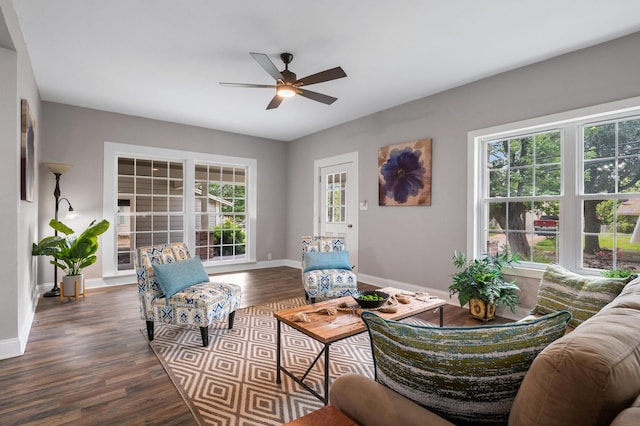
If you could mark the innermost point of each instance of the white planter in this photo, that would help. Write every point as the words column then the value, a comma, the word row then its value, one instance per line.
column 72, row 286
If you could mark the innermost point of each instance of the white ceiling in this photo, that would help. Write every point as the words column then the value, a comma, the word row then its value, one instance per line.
column 163, row 59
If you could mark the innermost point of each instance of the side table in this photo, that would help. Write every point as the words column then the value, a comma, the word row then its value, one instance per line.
column 325, row 416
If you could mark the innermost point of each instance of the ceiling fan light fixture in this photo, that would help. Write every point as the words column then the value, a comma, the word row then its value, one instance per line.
column 286, row 91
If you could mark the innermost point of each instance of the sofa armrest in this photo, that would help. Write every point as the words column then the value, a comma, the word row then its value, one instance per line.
column 628, row 416
column 369, row 403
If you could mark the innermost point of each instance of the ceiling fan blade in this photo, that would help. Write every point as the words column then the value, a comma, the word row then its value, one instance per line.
column 269, row 86
column 267, row 65
column 322, row 76
column 316, row 96
column 275, row 102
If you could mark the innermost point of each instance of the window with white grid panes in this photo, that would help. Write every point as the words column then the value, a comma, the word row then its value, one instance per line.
column 566, row 192
column 150, row 205
column 335, row 192
column 220, row 211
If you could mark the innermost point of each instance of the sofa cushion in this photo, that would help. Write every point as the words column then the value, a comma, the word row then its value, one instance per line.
column 583, row 296
column 319, row 260
column 468, row 375
column 590, row 375
column 175, row 276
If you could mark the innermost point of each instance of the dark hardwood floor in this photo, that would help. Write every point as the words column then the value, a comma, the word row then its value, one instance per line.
column 87, row 362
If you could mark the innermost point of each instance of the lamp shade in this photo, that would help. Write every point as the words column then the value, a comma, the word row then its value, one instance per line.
column 57, row 167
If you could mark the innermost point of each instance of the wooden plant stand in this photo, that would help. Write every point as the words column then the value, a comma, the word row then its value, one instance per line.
column 77, row 293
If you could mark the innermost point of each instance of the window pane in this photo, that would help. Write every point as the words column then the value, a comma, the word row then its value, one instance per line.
column 521, row 152
column 143, row 186
column 608, row 225
column 143, row 167
column 160, row 204
column 143, row 204
column 175, row 204
column 125, row 166
column 175, row 187
column 160, row 168
column 202, row 173
column 521, row 182
column 629, row 137
column 160, row 186
column 599, row 141
column 175, row 171
column 599, row 177
column 125, row 185
column 160, row 223
column 143, row 223
column 548, row 180
column 176, row 223
column 548, row 148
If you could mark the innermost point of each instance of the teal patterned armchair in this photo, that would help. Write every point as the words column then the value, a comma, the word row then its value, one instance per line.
column 198, row 304
column 325, row 268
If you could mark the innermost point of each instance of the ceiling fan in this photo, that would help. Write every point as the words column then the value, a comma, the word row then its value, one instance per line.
column 286, row 83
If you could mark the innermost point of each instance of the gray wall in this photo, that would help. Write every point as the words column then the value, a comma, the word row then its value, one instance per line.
column 411, row 245
column 76, row 136
column 18, row 218
column 414, row 245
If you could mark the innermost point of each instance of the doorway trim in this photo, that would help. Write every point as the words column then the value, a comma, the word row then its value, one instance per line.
column 351, row 157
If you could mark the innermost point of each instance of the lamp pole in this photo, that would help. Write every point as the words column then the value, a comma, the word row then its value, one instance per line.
column 57, row 169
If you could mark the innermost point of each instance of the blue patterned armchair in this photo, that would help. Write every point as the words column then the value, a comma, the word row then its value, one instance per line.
column 325, row 268
column 198, row 304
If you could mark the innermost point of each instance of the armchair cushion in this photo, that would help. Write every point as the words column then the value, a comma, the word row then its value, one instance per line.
column 583, row 296
column 318, row 260
column 175, row 276
column 468, row 375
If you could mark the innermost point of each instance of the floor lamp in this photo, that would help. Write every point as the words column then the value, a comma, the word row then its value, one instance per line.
column 58, row 169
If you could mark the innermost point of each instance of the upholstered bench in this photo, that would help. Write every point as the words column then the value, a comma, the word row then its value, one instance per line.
column 174, row 288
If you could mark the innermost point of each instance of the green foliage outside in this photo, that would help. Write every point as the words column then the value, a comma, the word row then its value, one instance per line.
column 229, row 239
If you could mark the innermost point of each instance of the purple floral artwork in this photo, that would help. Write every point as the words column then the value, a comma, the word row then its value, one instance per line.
column 404, row 177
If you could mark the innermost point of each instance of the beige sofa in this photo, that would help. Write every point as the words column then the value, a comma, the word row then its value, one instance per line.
column 590, row 376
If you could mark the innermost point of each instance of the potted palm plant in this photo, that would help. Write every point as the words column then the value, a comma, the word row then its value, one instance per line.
column 70, row 253
column 480, row 283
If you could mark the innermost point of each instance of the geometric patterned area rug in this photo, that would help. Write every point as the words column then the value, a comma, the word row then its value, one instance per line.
column 233, row 381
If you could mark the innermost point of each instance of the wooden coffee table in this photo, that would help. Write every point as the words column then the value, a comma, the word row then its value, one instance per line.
column 328, row 329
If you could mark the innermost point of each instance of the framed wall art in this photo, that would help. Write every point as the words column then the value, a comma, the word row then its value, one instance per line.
column 404, row 174
column 27, row 153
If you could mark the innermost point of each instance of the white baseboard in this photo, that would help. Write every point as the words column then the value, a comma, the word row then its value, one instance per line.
column 15, row 346
column 130, row 276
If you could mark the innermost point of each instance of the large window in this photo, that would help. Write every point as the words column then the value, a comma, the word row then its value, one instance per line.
column 564, row 191
column 162, row 196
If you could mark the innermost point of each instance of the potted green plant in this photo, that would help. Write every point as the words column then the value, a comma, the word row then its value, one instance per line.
column 480, row 283
column 70, row 253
